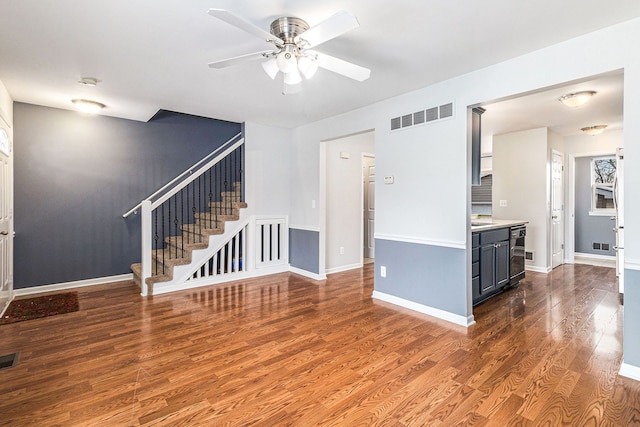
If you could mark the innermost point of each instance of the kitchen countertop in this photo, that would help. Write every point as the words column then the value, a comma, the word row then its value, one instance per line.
column 485, row 224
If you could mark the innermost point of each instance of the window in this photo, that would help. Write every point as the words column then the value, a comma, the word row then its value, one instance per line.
column 603, row 174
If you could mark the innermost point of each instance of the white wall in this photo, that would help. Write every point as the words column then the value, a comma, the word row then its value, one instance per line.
column 268, row 185
column 520, row 177
column 430, row 200
column 344, row 200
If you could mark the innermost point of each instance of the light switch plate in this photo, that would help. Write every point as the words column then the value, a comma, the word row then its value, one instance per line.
column 503, row 203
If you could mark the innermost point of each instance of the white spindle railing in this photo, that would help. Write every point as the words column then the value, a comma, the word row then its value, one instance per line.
column 258, row 246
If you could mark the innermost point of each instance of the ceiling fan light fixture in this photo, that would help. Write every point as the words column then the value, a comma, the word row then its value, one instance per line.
column 271, row 67
column 577, row 99
column 292, row 78
column 286, row 59
column 88, row 106
column 308, row 66
column 594, row 130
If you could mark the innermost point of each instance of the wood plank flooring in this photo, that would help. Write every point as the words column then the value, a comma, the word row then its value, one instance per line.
column 285, row 350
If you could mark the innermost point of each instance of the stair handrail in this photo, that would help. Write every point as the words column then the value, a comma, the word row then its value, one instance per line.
column 236, row 140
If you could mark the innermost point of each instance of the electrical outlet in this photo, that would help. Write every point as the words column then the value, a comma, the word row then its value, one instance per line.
column 383, row 271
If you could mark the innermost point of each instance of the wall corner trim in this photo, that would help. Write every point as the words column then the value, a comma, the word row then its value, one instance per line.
column 630, row 371
column 307, row 274
column 72, row 285
column 421, row 308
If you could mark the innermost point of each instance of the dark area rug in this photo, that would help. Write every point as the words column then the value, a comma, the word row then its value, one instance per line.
column 37, row 307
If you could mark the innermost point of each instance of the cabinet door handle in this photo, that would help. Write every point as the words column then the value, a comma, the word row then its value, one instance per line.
column 4, row 233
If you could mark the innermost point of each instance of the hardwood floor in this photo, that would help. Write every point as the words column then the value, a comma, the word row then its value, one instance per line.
column 284, row 350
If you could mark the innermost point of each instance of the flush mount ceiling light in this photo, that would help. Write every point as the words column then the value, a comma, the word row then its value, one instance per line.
column 88, row 81
column 576, row 99
column 593, row 130
column 292, row 40
column 87, row 106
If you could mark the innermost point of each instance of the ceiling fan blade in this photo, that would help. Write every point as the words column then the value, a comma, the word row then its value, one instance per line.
column 229, row 62
column 337, row 24
column 340, row 66
column 236, row 21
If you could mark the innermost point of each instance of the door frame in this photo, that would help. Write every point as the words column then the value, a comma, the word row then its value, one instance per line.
column 362, row 220
column 563, row 220
column 570, row 197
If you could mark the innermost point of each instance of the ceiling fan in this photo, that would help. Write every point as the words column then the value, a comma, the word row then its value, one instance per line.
column 293, row 42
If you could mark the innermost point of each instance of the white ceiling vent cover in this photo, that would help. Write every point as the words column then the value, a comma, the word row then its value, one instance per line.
column 429, row 115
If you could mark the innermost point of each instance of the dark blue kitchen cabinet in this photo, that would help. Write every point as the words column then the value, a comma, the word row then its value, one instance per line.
column 491, row 248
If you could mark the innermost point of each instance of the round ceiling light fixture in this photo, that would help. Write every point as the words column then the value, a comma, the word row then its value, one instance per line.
column 577, row 99
column 88, row 81
column 88, row 106
column 594, row 130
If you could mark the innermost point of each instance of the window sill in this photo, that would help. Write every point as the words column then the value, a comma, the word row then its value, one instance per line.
column 611, row 212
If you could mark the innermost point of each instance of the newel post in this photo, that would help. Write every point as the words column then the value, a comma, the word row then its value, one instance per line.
column 145, row 219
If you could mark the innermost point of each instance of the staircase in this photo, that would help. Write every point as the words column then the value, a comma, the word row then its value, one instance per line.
column 195, row 230
column 178, row 249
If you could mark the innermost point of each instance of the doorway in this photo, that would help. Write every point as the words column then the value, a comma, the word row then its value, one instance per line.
column 6, row 217
column 344, row 230
column 368, row 207
column 557, row 209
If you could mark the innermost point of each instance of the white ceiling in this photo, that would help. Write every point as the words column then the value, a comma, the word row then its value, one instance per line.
column 153, row 54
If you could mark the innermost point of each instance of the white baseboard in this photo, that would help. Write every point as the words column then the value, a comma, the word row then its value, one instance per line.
column 544, row 270
column 630, row 371
column 343, row 268
column 592, row 259
column 421, row 308
column 308, row 274
column 72, row 285
column 158, row 289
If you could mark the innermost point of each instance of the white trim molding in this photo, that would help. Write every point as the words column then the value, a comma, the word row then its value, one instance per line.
column 632, row 264
column 593, row 259
column 425, row 309
column 630, row 371
column 308, row 274
column 544, row 270
column 343, row 268
column 305, row 228
column 409, row 239
column 72, row 285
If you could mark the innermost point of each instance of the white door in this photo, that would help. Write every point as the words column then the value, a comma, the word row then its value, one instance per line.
column 557, row 209
column 369, row 185
column 6, row 214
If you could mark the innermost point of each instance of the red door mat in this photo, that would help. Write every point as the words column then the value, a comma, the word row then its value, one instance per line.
column 43, row 306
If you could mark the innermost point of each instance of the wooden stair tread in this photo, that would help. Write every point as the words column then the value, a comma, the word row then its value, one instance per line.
column 228, row 209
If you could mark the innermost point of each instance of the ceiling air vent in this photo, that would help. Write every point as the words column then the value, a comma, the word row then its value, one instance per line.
column 432, row 114
column 407, row 120
column 446, row 110
column 423, row 116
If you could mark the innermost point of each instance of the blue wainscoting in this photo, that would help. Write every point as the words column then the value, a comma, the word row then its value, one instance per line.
column 304, row 250
column 426, row 278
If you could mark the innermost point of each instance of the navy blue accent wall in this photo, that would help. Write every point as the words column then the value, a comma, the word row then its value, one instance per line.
column 75, row 175
column 304, row 250
column 589, row 228
column 434, row 276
